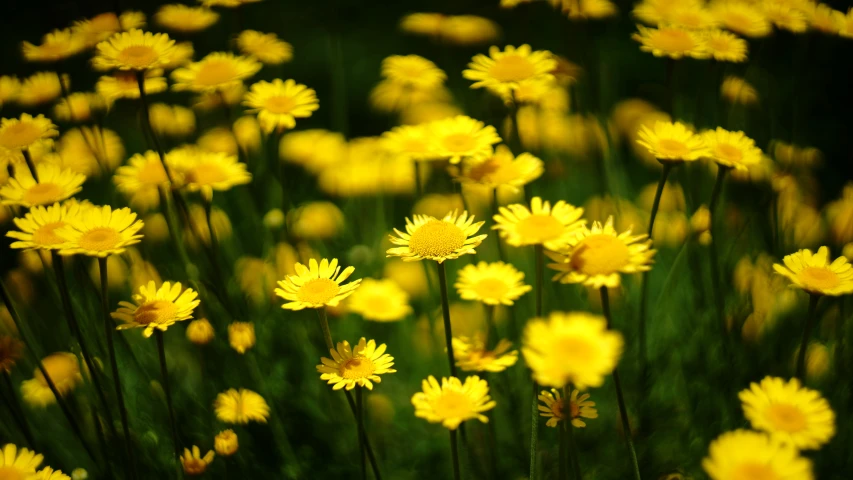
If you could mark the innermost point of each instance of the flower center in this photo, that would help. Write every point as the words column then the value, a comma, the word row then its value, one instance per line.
column 157, row 311
column 99, row 239
column 279, row 104
column 152, row 173
column 574, row 409
column 206, row 174
column 673, row 41
column 11, row 473
column 453, row 405
column 729, row 152
column 539, row 228
column 484, row 169
column 557, row 408
column 20, row 135
column 600, row 255
column 673, row 148
column 436, row 238
column 45, row 235
column 357, row 367
column 458, row 142
column 318, row 291
column 42, row 194
column 215, row 73
column 786, row 417
column 753, row 471
column 575, row 352
column 512, row 68
column 819, row 278
column 138, row 56
column 491, row 288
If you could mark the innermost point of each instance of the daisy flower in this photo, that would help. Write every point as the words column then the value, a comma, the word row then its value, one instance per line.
column 317, row 285
column 742, row 17
column 453, row 402
column 266, row 47
column 10, row 87
column 541, row 224
column 19, row 463
column 48, row 473
column 54, row 185
column 40, row 88
column 747, row 454
column 133, row 50
column 38, row 226
column 672, row 142
column 495, row 283
column 241, row 407
column 124, row 84
column 157, row 308
column 428, row 238
column 736, row 90
column 815, row 274
column 11, row 350
column 100, row 232
column 732, row 149
column 356, row 366
column 471, row 355
column 200, row 170
column 380, row 301
column 671, row 41
column 503, row 71
column 141, row 179
column 241, row 336
column 725, row 47
column 25, row 132
column 101, row 27
column 279, row 103
column 56, row 45
column 185, row 19
column 414, row 71
column 63, row 370
column 226, row 443
column 554, row 408
column 462, row 137
column 193, row 463
column 408, row 142
column 502, row 169
column 216, row 71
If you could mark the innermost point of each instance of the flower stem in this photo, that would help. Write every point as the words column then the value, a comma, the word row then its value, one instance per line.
column 164, row 372
column 17, row 413
column 359, row 407
column 324, row 324
column 717, row 288
column 620, row 398
column 664, row 173
column 29, row 159
column 495, row 211
column 807, row 331
column 445, row 310
column 574, row 459
column 454, row 451
column 109, row 328
column 146, row 117
column 534, row 399
column 419, row 187
column 562, row 458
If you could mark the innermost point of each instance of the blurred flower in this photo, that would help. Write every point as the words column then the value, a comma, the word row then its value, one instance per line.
column 462, row 137
column 654, row 12
column 38, row 226
column 502, row 72
column 422, row 112
column 817, row 360
column 739, row 451
column 157, row 308
column 141, row 271
column 241, row 336
column 274, row 219
column 738, row 91
column 540, row 224
column 182, row 54
column 846, row 24
column 172, row 120
column 194, row 463
column 216, row 71
column 54, row 185
column 628, row 113
column 742, row 17
column 453, row 402
column 221, row 226
column 11, row 350
column 316, row 286
column 502, row 169
column 546, row 93
column 10, row 87
column 824, row 18
column 79, row 474
column 380, row 301
column 672, row 142
column 789, row 413
column 731, row 149
column 141, row 178
column 815, row 274
column 413, row 71
column 671, row 199
column 226, row 3
column 389, row 96
column 360, row 366
column 700, row 224
column 185, row 19
column 89, row 150
column 573, row 347
column 215, row 140
column 266, row 47
column 839, row 214
column 586, row 9
column 554, row 408
column 785, row 17
column 428, row 24
column 409, row 142
column 794, row 156
column 100, row 231
column 121, row 84
column 437, row 204
column 203, row 171
column 316, row 221
column 409, row 276
column 26, row 132
column 200, row 332
column 471, row 355
column 467, row 30
column 55, row 46
column 225, row 443
column 256, row 278
column 247, row 132
column 493, row 284
column 230, row 96
column 103, row 26
column 48, row 473
column 671, row 41
column 19, row 463
column 64, row 372
column 40, row 88
column 241, row 407
column 133, row 50
column 313, row 149
column 725, row 47
column 433, row 239
column 279, row 103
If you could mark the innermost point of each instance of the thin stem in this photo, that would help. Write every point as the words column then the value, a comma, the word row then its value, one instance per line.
column 534, row 403
column 454, row 452
column 491, row 328
column 620, row 398
column 574, row 458
column 445, row 310
column 18, row 413
column 807, row 332
column 664, row 173
column 164, row 372
column 359, row 407
column 29, row 159
column 717, row 289
column 562, row 450
column 109, row 329
column 324, row 324
column 146, row 117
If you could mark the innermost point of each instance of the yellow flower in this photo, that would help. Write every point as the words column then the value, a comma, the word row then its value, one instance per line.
column 316, row 221
column 56, row 45
column 573, row 347
column 824, row 18
column 408, row 142
column 471, row 355
column 247, row 132
column 839, row 215
column 554, row 408
column 785, row 17
column 462, row 137
column 40, row 88
column 503, row 71
column 732, row 149
column 266, row 47
column 79, row 107
column 409, row 276
column 540, row 224
column 133, row 50
column 316, row 286
column 453, row 402
column 586, row 9
column 502, row 169
column 312, row 149
column 746, row 454
column 389, row 96
column 19, row 464
column 428, row 111
column 200, row 332
column 789, row 413
column 845, row 24
column 215, row 140
column 742, row 17
column 815, row 274
column 11, row 350
column 172, row 120
column 64, row 372
column 725, row 47
column 380, row 301
column 103, row 26
column 467, row 30
column 654, row 12
column 157, row 308
column 38, row 226
column 141, row 178
column 122, row 84
column 194, row 463
column 241, row 407
column 225, row 443
column 241, row 336
column 413, row 71
column 100, row 231
column 495, row 283
column 26, row 132
column 205, row 171
column 279, row 103
column 216, row 71
column 672, row 142
column 671, row 41
column 691, row 15
column 428, row 24
column 738, row 91
column 54, row 185
column 360, row 366
column 48, row 473
column 182, row 54
column 433, row 239
column 10, row 87
column 185, row 19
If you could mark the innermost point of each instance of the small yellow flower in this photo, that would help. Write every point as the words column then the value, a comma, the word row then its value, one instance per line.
column 725, row 47
column 241, row 336
column 38, row 226
column 316, row 286
column 815, row 274
column 54, row 185
column 428, row 238
column 541, row 224
column 79, row 107
column 200, row 332
column 690, row 14
column 225, row 443
column 63, row 370
column 103, row 26
column 10, row 88
column 784, row 16
column 56, row 45
column 205, row 171
column 247, row 132
column 503, row 71
column 279, row 103
column 390, row 97
column 380, row 301
column 467, row 30
column 671, row 41
column 587, row 9
column 185, row 19
column 428, row 24
column 359, row 366
column 471, row 355
column 732, row 149
column 316, row 221
column 40, row 88
column 502, row 169
column 495, row 283
column 226, row 3
column 266, row 47
column 742, row 17
column 216, row 71
column 413, row 71
column 738, row 91
column 19, row 463
column 453, row 402
column 194, row 463
column 409, row 276
column 26, row 132
column 157, row 308
column 133, row 50
column 313, row 149
column 409, row 142
column 554, row 408
column 11, row 350
column 141, row 178
column 100, row 231
column 123, row 84
column 172, row 120
column 747, row 454
column 241, row 407
column 672, row 142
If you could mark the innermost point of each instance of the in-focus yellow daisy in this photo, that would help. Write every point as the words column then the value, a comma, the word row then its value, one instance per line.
column 502, row 169
column 216, row 71
column 101, row 27
column 122, row 84
column 226, row 443
column 56, row 45
column 48, row 473
column 317, row 285
column 554, row 408
column 241, row 407
column 573, row 347
column 38, row 226
column 732, row 149
column 133, row 50
column 100, row 231
column 266, row 47
column 241, row 336
column 815, row 274
column 453, row 402
column 472, row 355
column 141, row 178
column 784, row 16
column 789, row 413
column 742, row 17
column 672, row 142
column 725, row 47
column 752, row 455
column 204, row 171
column 19, row 463
column 503, row 71
column 541, row 224
column 598, row 256
column 495, row 283
column 380, row 301
column 193, row 463
column 54, row 185
column 185, row 19
column 671, row 41
column 428, row 238
column 63, row 370
column 10, row 87
column 738, row 91
column 279, row 103
column 157, row 308
column 26, row 131
column 462, row 137
column 360, row 366
column 413, row 70
column 40, row 88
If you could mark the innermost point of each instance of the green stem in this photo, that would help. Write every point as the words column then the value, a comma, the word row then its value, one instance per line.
column 359, row 407
column 534, row 407
column 807, row 331
column 324, row 324
column 491, row 328
column 664, row 173
column 445, row 310
column 29, row 159
column 17, row 412
column 562, row 450
column 495, row 211
column 717, row 288
column 454, row 451
column 164, row 372
column 540, row 274
column 574, row 458
column 146, row 117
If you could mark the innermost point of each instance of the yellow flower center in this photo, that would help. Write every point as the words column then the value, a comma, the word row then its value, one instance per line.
column 357, row 367
column 99, row 239
column 574, row 409
column 216, row 72
column 436, row 238
column 138, row 56
column 720, row 45
column 600, row 255
column 512, row 68
column 279, row 104
column 672, row 40
column 458, row 142
column 575, row 351
column 539, row 228
column 452, row 405
column 20, row 135
column 491, row 288
column 207, row 174
column 42, row 194
column 45, row 235
column 673, row 148
column 753, row 471
column 319, row 291
column 157, row 311
column 786, row 417
column 152, row 173
column 11, row 473
column 557, row 408
column 729, row 153
column 819, row 278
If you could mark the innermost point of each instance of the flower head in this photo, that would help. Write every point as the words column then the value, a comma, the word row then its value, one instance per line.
column 815, row 274
column 742, row 17
column 56, row 45
column 471, row 355
column 504, row 71
column 502, row 169
column 40, row 88
column 194, row 463
column 200, row 332
column 48, row 473
column 19, row 463
column 266, row 47
column 380, row 301
column 100, row 231
column 185, row 19
column 101, row 27
column 725, row 47
column 462, row 137
column 203, row 171
column 141, row 179
column 732, row 149
column 123, row 84
column 428, row 238
column 79, row 107
column 216, row 71
column 64, row 372
column 38, row 226
column 495, row 283
column 241, row 336
column 408, row 142
column 554, row 408
column 26, row 132
column 746, row 454
column 134, row 50
column 54, row 185
column 241, row 407
column 157, row 308
column 736, row 90
column 672, row 142
column 10, row 87
column 360, row 366
column 317, row 285
column 413, row 71
column 671, row 41
column 279, row 103
column 225, row 443
column 541, row 224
